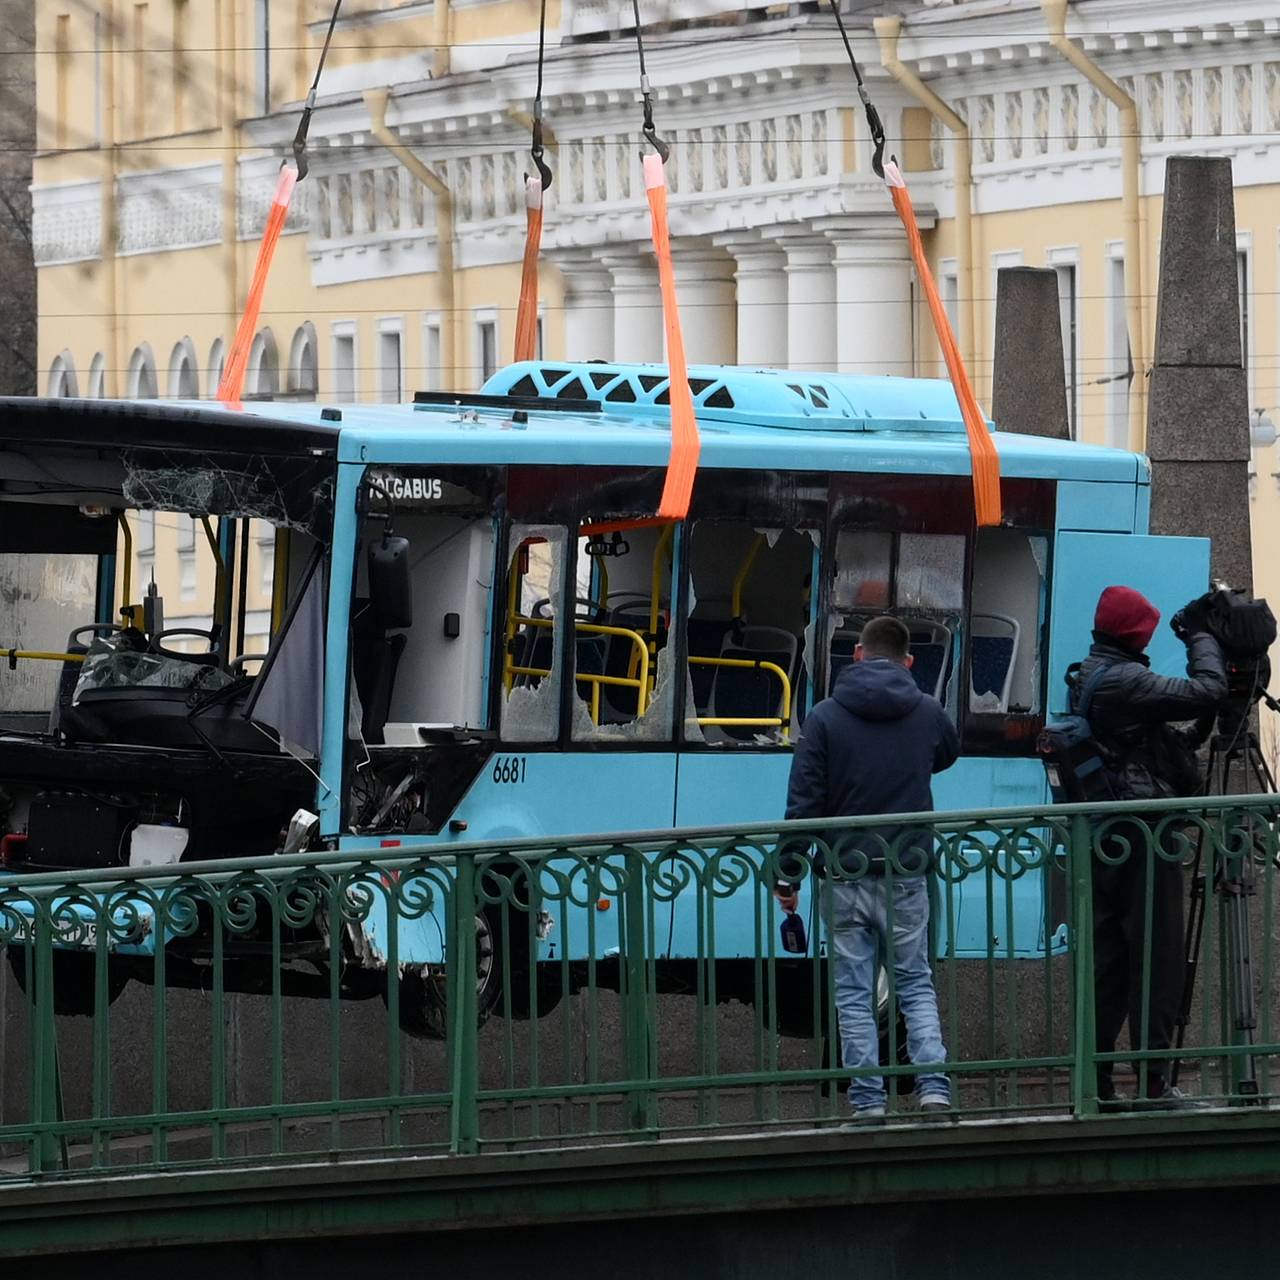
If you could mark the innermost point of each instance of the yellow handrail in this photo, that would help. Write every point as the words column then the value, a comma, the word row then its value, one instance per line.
column 744, row 573
column 640, row 683
column 279, row 579
column 219, row 575
column 40, row 655
column 126, row 585
column 759, row 665
column 655, row 584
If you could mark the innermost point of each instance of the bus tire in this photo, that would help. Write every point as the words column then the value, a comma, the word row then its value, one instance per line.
column 73, row 981
column 424, row 1000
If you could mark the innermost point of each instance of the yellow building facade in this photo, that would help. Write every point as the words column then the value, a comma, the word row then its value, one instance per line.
column 163, row 125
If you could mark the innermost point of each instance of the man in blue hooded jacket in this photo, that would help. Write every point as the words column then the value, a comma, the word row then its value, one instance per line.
column 873, row 747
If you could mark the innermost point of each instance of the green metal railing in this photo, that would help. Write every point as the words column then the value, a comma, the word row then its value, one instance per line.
column 612, row 988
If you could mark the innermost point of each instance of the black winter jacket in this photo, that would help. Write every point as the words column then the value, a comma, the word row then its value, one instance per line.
column 1132, row 707
column 872, row 747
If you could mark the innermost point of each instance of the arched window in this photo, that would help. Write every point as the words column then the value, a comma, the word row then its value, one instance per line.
column 62, row 376
column 98, row 376
column 304, row 364
column 262, row 377
column 142, row 384
column 217, row 360
column 184, row 380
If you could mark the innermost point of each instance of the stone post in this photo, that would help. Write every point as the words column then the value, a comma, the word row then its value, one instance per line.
column 1198, row 415
column 1029, row 392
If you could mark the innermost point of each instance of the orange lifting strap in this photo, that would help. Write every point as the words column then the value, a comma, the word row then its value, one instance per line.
column 982, row 449
column 232, row 384
column 685, row 442
column 527, row 312
column 984, row 460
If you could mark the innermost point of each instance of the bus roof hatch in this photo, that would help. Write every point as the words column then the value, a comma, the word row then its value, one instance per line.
column 750, row 397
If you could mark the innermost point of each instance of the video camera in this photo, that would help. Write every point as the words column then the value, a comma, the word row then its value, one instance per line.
column 1246, row 630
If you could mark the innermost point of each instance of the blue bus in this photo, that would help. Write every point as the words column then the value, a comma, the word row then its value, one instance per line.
column 479, row 634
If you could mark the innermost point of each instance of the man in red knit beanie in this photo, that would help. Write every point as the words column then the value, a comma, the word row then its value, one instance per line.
column 1132, row 711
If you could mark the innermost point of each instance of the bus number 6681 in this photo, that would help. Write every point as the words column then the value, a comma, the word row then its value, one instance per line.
column 510, row 769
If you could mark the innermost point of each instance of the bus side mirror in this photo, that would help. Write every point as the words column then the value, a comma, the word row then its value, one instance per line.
column 390, row 588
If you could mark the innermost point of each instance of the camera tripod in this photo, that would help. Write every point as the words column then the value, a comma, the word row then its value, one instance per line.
column 1233, row 745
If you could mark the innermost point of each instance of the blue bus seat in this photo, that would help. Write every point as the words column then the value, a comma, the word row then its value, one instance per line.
column 994, row 642
column 747, row 692
column 632, row 611
column 706, row 636
column 931, row 648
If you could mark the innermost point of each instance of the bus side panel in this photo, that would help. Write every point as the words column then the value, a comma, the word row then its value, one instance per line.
column 523, row 795
column 1142, row 508
column 725, row 789
column 1095, row 505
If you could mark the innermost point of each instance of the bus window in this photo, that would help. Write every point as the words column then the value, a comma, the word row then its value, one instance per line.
column 864, row 564
column 1006, row 623
column 918, row 577
column 749, row 602
column 533, row 638
column 622, row 676
column 45, row 598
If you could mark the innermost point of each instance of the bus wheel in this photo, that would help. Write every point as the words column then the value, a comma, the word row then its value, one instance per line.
column 424, row 998
column 73, row 981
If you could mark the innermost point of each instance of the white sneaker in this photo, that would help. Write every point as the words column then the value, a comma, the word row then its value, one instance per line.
column 866, row 1115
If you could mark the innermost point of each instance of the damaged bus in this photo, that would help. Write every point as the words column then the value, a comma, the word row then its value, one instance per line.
column 475, row 636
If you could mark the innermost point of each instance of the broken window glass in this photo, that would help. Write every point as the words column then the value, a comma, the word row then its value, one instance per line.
column 930, row 571
column 43, row 599
column 114, row 663
column 750, row 593
column 621, row 616
column 1006, row 623
column 864, row 564
column 918, row 578
column 534, row 638
column 291, row 492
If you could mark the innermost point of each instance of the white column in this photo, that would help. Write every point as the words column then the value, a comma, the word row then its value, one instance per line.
column 704, row 288
column 761, row 278
column 588, row 310
column 637, row 309
column 811, row 303
column 874, row 322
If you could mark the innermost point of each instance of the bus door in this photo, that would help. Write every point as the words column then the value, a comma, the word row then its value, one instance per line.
column 1168, row 571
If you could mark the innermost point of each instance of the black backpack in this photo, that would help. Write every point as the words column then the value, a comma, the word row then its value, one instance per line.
column 1074, row 760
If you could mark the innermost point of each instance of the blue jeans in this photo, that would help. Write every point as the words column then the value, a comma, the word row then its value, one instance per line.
column 860, row 933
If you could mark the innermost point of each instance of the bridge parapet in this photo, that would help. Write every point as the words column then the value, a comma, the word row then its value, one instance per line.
column 611, row 990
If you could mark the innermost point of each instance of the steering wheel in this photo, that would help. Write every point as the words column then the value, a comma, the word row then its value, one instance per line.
column 210, row 659
column 94, row 629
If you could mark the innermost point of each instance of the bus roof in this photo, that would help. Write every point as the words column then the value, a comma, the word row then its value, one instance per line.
column 756, row 419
